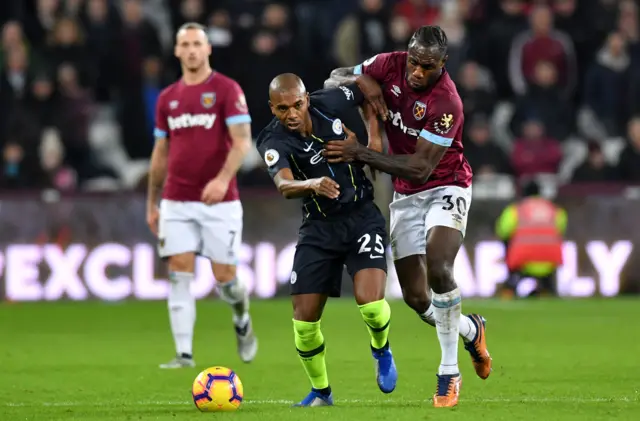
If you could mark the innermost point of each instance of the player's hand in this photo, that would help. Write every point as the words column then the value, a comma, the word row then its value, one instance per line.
column 326, row 187
column 214, row 191
column 153, row 216
column 342, row 150
column 373, row 93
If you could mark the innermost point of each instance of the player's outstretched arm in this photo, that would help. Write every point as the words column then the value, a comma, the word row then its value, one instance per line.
column 292, row 188
column 416, row 167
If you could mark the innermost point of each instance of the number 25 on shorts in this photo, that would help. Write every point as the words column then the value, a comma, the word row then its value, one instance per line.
column 378, row 247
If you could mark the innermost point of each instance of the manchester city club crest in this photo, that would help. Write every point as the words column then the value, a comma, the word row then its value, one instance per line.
column 208, row 99
column 337, row 126
column 419, row 110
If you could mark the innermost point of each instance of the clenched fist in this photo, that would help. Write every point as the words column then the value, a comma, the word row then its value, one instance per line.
column 325, row 187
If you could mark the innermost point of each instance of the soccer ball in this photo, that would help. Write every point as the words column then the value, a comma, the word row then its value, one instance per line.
column 217, row 389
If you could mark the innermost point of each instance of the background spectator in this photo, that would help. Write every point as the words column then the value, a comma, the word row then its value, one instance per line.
column 484, row 156
column 535, row 152
column 595, row 167
column 607, row 84
column 79, row 79
column 542, row 42
column 544, row 100
column 629, row 165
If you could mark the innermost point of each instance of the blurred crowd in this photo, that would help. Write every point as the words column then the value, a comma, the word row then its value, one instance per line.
column 550, row 87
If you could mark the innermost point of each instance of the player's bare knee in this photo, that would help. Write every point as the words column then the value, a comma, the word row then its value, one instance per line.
column 366, row 297
column 306, row 314
column 369, row 285
column 223, row 273
column 184, row 262
column 308, row 307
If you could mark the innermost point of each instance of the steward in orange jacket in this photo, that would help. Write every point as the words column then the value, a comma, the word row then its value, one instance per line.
column 533, row 229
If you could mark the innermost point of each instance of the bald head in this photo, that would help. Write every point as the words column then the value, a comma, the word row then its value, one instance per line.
column 289, row 101
column 288, row 83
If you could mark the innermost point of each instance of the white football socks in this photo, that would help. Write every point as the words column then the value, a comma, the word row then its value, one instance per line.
column 467, row 329
column 235, row 293
column 447, row 311
column 182, row 311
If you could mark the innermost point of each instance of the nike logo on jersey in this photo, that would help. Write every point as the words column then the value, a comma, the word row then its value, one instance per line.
column 309, row 146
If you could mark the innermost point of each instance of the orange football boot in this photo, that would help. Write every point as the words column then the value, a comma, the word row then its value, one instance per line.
column 448, row 391
column 478, row 348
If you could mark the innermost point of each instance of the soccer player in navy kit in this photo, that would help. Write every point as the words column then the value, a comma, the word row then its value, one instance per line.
column 341, row 224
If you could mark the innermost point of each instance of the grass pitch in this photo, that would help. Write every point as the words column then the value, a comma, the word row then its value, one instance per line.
column 553, row 360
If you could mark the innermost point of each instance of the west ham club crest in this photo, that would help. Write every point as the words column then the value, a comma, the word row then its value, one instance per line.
column 208, row 99
column 419, row 110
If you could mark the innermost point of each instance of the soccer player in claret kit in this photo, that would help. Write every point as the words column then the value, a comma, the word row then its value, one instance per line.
column 203, row 132
column 423, row 120
column 341, row 224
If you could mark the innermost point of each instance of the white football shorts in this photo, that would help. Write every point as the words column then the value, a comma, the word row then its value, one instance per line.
column 214, row 232
column 412, row 216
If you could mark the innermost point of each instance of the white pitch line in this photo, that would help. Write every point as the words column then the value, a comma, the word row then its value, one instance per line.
column 338, row 401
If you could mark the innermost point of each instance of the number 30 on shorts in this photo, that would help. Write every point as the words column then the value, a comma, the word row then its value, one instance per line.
column 378, row 248
column 460, row 204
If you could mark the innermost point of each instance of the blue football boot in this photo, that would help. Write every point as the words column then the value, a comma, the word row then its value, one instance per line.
column 386, row 373
column 315, row 398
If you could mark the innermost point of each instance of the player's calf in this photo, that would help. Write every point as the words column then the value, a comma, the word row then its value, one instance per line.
column 418, row 301
column 412, row 274
column 182, row 309
column 377, row 317
column 473, row 333
column 311, row 350
column 235, row 293
column 411, row 271
column 447, row 312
